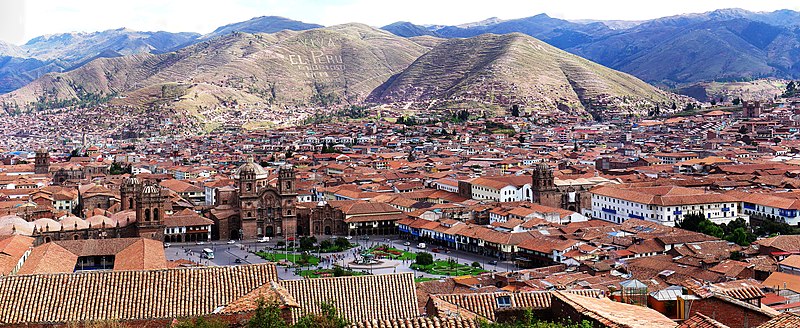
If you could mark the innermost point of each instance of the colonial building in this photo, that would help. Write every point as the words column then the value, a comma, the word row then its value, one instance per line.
column 42, row 162
column 569, row 194
column 256, row 208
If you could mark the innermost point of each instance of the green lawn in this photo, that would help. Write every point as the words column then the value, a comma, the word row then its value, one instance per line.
column 383, row 251
column 294, row 258
column 327, row 273
column 445, row 268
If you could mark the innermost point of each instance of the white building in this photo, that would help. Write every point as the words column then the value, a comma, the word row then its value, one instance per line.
column 780, row 207
column 663, row 204
column 512, row 188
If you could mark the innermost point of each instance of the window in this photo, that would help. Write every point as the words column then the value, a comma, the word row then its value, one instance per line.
column 504, row 301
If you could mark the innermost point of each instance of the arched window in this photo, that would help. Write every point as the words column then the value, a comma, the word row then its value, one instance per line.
column 249, row 186
column 130, row 203
column 155, row 214
column 147, row 214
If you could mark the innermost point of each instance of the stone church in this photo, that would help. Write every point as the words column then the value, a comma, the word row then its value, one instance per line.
column 546, row 191
column 254, row 207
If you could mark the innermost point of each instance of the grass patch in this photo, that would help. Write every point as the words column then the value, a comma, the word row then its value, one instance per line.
column 297, row 259
column 386, row 252
column 448, row 268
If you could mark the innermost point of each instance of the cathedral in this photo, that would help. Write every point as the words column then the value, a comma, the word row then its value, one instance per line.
column 254, row 207
column 569, row 196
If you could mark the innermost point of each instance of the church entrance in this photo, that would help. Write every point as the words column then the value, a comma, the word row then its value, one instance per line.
column 234, row 234
column 327, row 230
column 269, row 231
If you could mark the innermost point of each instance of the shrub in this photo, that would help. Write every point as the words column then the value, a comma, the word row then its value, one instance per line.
column 424, row 258
column 476, row 265
column 341, row 243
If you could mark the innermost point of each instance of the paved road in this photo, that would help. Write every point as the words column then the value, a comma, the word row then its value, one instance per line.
column 226, row 254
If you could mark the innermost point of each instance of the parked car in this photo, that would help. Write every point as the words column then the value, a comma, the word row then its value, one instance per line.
column 200, row 243
column 421, row 246
column 167, row 245
column 492, row 262
column 348, row 237
column 231, row 241
column 263, row 239
column 407, row 244
column 237, row 261
column 435, row 250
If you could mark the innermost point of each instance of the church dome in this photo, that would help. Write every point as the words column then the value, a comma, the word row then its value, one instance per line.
column 251, row 168
column 46, row 225
column 12, row 224
column 151, row 190
column 71, row 223
column 131, row 181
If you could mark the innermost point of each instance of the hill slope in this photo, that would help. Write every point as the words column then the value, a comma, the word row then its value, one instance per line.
column 515, row 69
column 263, row 24
column 407, row 30
column 335, row 65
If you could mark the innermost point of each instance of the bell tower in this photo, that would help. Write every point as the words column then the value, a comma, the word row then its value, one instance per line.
column 150, row 210
column 128, row 192
column 543, row 183
column 288, row 191
column 42, row 162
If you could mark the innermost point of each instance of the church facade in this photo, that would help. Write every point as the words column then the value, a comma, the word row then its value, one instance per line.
column 255, row 208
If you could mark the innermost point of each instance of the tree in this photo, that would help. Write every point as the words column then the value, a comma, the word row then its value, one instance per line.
column 401, row 120
column 741, row 237
column 742, row 129
column 326, row 244
column 463, row 115
column 328, row 318
column 710, row 228
column 736, row 101
column 691, row 222
column 713, row 102
column 341, row 243
column 424, row 258
column 515, row 110
column 674, row 106
column 307, row 243
column 266, row 316
column 776, row 140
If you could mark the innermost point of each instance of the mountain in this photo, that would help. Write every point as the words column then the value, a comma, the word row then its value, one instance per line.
column 407, row 30
column 75, row 48
column 58, row 52
column 674, row 51
column 516, row 69
column 11, row 50
column 264, row 24
column 557, row 32
column 335, row 65
column 685, row 50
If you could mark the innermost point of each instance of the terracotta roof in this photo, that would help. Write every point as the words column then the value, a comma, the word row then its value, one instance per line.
column 12, row 248
column 615, row 314
column 662, row 195
column 357, row 298
column 269, row 292
column 126, row 295
column 786, row 319
column 484, row 305
column 781, row 280
column 701, row 321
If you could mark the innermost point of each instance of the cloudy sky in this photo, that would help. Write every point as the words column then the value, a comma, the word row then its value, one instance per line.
column 22, row 20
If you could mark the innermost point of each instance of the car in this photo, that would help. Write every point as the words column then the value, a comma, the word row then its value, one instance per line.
column 167, row 245
column 421, row 245
column 231, row 241
column 365, row 238
column 237, row 261
column 406, row 244
column 348, row 237
column 492, row 262
column 200, row 243
column 435, row 250
column 263, row 239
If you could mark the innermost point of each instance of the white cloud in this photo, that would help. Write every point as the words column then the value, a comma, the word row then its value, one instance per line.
column 56, row 16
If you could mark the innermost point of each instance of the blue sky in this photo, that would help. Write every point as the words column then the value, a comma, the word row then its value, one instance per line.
column 23, row 20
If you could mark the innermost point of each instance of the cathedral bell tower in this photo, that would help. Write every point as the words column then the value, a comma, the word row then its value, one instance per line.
column 150, row 210
column 543, row 183
column 128, row 191
column 42, row 162
column 288, row 191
